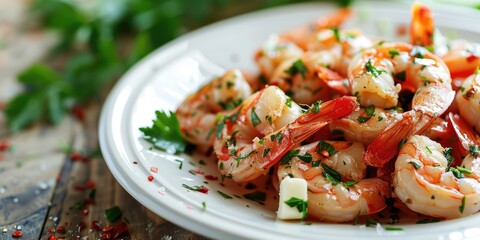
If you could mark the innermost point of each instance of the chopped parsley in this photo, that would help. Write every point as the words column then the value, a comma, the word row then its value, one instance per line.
column 428, row 220
column 165, row 133
column 428, row 149
column 372, row 69
column 297, row 67
column 300, row 204
column 220, row 127
column 265, row 152
column 316, row 106
column 393, row 52
column 224, row 195
column 448, row 155
column 202, row 189
column 180, row 163
column 459, row 172
column 239, row 158
column 331, row 175
column 473, row 149
column 327, row 147
column 288, row 102
column 393, row 228
column 370, row 111
column 113, row 214
column 306, row 158
column 415, row 164
column 336, row 33
column 255, row 119
column 256, row 196
column 462, row 207
column 287, row 157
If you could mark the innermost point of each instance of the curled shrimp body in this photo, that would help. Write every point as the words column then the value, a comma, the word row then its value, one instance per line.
column 273, row 52
column 372, row 76
column 302, row 77
column 197, row 115
column 468, row 100
column 337, row 190
column 422, row 182
column 461, row 57
column 363, row 127
column 265, row 127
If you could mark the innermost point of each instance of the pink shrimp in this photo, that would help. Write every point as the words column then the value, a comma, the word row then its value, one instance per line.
column 257, row 134
column 372, row 76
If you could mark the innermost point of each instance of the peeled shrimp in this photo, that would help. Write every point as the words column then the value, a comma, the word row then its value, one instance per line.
column 345, row 197
column 372, row 74
column 423, row 181
column 360, row 127
column 461, row 57
column 468, row 100
column 265, row 127
column 197, row 115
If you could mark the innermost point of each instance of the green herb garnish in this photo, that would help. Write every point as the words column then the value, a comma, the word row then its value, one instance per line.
column 164, row 133
column 297, row 67
column 113, row 214
column 300, row 204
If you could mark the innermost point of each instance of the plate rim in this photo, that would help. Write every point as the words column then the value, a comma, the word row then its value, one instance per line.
column 192, row 224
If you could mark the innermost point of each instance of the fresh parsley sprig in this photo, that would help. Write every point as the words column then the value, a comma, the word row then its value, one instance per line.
column 165, row 134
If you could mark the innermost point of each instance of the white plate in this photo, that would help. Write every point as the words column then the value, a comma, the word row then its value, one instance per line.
column 165, row 77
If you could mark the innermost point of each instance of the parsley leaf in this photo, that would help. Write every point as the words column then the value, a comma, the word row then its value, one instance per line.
column 331, row 175
column 324, row 146
column 300, row 204
column 113, row 214
column 297, row 67
column 448, row 155
column 44, row 98
column 373, row 70
column 164, row 133
column 256, row 196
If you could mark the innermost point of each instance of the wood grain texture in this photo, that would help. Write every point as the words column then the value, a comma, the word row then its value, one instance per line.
column 142, row 223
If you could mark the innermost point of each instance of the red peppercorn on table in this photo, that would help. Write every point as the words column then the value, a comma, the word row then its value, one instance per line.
column 53, row 181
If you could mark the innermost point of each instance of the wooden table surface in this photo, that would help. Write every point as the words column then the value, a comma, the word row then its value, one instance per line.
column 49, row 174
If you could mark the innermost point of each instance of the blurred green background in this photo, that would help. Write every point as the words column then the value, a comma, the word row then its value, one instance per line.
column 100, row 39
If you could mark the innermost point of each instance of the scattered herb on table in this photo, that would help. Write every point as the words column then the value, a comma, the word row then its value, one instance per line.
column 113, row 214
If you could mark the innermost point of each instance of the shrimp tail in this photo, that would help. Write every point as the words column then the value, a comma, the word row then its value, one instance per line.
column 421, row 26
column 386, row 145
column 330, row 110
column 333, row 80
column 465, row 134
column 305, row 126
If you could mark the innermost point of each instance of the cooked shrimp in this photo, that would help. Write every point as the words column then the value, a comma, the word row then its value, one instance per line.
column 305, row 35
column 467, row 138
column 372, row 75
column 304, row 78
column 461, row 57
column 468, row 100
column 273, row 52
column 265, row 127
column 364, row 125
column 337, row 190
column 197, row 115
column 426, row 184
column 422, row 26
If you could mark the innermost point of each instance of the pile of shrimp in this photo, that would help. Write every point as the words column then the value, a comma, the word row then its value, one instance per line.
column 364, row 122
